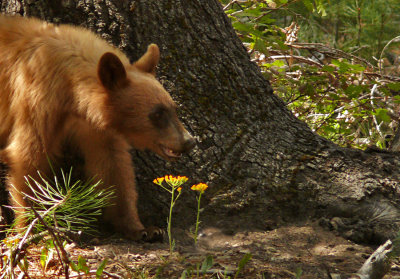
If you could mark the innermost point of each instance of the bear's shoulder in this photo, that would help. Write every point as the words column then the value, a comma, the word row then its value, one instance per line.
column 61, row 39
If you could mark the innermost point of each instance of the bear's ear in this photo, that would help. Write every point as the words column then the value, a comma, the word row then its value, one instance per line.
column 149, row 61
column 111, row 71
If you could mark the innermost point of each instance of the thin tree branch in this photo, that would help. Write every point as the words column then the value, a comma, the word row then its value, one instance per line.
column 378, row 126
column 64, row 255
column 299, row 58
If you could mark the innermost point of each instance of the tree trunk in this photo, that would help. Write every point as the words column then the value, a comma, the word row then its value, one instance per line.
column 263, row 166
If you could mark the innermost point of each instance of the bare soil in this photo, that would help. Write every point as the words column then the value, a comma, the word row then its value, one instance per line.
column 291, row 251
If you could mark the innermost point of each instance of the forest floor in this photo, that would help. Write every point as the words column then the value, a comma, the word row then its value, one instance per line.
column 291, row 251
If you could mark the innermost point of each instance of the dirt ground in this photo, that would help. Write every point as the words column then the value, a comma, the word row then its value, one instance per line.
column 292, row 251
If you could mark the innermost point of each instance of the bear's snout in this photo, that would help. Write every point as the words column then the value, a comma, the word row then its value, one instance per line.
column 188, row 142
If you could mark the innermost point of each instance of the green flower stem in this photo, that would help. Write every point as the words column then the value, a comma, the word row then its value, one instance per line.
column 174, row 183
column 165, row 188
column 198, row 217
column 173, row 200
column 170, row 221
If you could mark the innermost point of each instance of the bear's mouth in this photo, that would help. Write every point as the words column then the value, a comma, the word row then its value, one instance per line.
column 170, row 153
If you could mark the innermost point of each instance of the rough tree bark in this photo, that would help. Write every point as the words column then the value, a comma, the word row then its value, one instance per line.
column 264, row 167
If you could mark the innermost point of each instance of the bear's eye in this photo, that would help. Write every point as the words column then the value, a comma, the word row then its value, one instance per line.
column 159, row 116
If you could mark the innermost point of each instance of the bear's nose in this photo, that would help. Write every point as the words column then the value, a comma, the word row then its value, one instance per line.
column 188, row 142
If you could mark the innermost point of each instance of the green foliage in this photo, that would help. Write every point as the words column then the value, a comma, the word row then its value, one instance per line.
column 246, row 258
column 57, row 209
column 100, row 269
column 359, row 26
column 74, row 206
column 81, row 266
column 396, row 247
column 337, row 102
column 299, row 272
column 340, row 96
column 207, row 264
column 47, row 254
column 254, row 25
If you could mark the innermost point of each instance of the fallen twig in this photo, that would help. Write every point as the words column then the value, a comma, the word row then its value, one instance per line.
column 378, row 264
column 58, row 245
column 93, row 272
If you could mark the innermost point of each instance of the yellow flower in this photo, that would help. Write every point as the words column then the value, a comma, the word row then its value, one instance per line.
column 201, row 187
column 169, row 179
column 158, row 180
column 182, row 179
column 11, row 241
column 179, row 189
column 175, row 180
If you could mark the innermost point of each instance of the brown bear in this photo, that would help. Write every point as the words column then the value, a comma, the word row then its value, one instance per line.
column 60, row 83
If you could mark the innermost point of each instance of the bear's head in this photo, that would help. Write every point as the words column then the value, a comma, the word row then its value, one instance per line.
column 140, row 108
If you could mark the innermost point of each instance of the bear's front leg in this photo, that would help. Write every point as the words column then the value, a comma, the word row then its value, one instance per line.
column 25, row 160
column 107, row 158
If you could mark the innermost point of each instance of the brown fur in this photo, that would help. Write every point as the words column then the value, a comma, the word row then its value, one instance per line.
column 61, row 83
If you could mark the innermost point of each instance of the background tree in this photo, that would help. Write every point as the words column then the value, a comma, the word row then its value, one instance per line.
column 263, row 165
column 352, row 100
column 357, row 26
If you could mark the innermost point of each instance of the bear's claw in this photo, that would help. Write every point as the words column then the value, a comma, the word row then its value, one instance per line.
column 152, row 234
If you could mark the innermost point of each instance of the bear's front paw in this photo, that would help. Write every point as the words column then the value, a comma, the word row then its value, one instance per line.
column 150, row 234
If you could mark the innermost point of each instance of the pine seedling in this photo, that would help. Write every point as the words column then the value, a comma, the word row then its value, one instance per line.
column 73, row 206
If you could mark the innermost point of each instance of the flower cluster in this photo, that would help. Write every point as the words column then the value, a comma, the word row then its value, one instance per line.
column 176, row 181
column 173, row 181
column 158, row 181
column 201, row 187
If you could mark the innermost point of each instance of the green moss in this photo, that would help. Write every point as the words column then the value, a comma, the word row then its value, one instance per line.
column 203, row 100
column 183, row 23
column 210, row 74
column 222, row 190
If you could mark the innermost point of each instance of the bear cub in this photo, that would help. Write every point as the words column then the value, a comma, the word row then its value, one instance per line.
column 60, row 83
